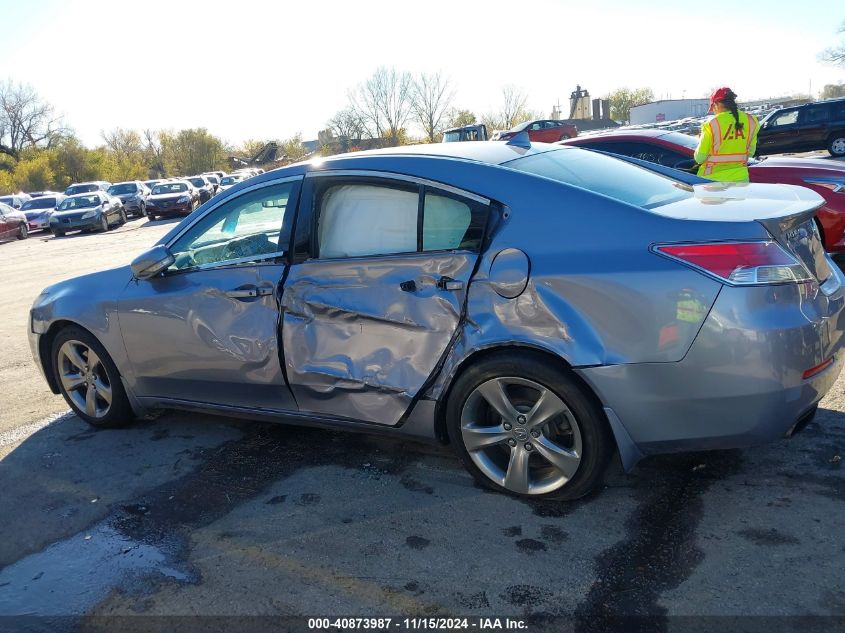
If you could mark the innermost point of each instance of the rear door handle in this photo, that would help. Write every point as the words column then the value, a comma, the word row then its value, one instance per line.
column 249, row 292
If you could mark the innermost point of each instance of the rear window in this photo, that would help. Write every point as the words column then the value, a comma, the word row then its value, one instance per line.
column 75, row 189
column 176, row 187
column 39, row 203
column 129, row 187
column 605, row 175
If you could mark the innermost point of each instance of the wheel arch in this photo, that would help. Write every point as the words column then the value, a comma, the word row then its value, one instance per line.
column 480, row 355
column 45, row 346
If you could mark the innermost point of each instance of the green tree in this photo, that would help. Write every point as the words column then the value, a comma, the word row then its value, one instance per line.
column 461, row 117
column 292, row 148
column 623, row 99
column 192, row 151
column 34, row 173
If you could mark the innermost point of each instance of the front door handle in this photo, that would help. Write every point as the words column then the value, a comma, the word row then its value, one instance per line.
column 249, row 292
column 447, row 283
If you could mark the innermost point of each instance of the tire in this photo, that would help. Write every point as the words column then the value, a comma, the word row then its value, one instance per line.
column 574, row 432
column 104, row 223
column 123, row 218
column 151, row 216
column 23, row 233
column 58, row 233
column 108, row 406
column 836, row 146
column 142, row 210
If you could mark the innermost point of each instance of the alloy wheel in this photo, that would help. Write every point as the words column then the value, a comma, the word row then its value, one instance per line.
column 24, row 232
column 104, row 223
column 521, row 435
column 84, row 378
column 837, row 147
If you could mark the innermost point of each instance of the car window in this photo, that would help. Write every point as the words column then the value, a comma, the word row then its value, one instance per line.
column 816, row 114
column 642, row 151
column 366, row 219
column 248, row 228
column 784, row 118
column 451, row 223
column 605, row 175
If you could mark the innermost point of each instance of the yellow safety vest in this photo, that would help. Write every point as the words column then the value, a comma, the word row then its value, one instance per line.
column 723, row 149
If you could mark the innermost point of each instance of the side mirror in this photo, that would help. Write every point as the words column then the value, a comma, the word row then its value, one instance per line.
column 152, row 262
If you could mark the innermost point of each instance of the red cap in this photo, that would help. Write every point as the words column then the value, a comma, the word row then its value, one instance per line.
column 720, row 95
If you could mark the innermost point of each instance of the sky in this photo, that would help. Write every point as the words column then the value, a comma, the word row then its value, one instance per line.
column 261, row 69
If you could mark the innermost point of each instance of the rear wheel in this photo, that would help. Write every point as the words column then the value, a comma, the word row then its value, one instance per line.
column 104, row 223
column 836, row 147
column 142, row 210
column 123, row 218
column 58, row 233
column 23, row 233
column 523, row 427
column 89, row 380
column 151, row 216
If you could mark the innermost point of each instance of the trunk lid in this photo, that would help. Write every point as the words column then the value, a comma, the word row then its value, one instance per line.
column 786, row 211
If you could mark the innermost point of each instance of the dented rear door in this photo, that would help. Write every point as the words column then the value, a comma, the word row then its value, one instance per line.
column 364, row 327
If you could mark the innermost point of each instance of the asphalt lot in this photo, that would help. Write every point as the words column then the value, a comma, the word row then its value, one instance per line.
column 189, row 514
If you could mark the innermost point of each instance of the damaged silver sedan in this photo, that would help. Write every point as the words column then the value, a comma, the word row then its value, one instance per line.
column 541, row 308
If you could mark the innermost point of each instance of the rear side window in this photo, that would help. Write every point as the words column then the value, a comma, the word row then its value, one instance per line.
column 370, row 219
column 605, row 175
column 816, row 114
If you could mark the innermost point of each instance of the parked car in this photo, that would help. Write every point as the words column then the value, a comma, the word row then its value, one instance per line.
column 12, row 224
column 203, row 185
column 39, row 210
column 133, row 194
column 172, row 197
column 87, row 187
column 471, row 293
column 149, row 184
column 16, row 200
column 227, row 182
column 672, row 149
column 813, row 126
column 214, row 180
column 41, row 194
column 545, row 131
column 465, row 133
column 93, row 211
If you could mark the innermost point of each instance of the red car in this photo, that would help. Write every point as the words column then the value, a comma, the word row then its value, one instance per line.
column 12, row 224
column 545, row 131
column 673, row 149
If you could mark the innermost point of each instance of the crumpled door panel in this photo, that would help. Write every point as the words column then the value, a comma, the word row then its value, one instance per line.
column 356, row 343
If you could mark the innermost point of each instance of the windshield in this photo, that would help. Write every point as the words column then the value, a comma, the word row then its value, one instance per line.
column 605, row 175
column 451, row 137
column 229, row 180
column 6, row 200
column 80, row 202
column 39, row 203
column 127, row 187
column 197, row 182
column 170, row 187
column 213, row 179
column 74, row 189
column 520, row 126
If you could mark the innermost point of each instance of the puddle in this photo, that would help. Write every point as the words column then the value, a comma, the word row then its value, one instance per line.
column 72, row 576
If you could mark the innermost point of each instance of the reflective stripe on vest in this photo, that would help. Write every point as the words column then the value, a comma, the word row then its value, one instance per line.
column 752, row 128
column 735, row 158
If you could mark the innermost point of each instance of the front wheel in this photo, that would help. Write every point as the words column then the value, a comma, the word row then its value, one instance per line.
column 88, row 379
column 836, row 147
column 104, row 223
column 524, row 427
column 123, row 218
column 23, row 233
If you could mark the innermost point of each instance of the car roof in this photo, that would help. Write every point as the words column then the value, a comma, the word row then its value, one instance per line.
column 490, row 152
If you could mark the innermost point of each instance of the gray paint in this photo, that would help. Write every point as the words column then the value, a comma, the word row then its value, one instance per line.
column 589, row 291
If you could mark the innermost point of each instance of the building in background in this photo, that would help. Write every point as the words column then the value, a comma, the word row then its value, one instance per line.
column 668, row 110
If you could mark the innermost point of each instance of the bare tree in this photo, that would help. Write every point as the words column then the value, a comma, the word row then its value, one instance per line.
column 124, row 143
column 26, row 120
column 383, row 102
column 154, row 146
column 836, row 54
column 513, row 106
column 347, row 124
column 431, row 103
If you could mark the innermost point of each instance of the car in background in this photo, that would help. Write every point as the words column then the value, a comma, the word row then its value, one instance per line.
column 87, row 187
column 214, row 179
column 218, row 173
column 12, row 224
column 230, row 180
column 465, row 133
column 542, row 309
column 133, row 194
column 203, row 185
column 39, row 210
column 804, row 128
column 542, row 131
column 673, row 149
column 172, row 197
column 149, row 184
column 41, row 194
column 92, row 211
column 15, row 200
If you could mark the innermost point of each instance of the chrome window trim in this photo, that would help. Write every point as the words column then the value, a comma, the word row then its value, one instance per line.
column 212, row 209
column 389, row 175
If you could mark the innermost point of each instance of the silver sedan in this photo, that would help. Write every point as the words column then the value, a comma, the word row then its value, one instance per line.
column 540, row 308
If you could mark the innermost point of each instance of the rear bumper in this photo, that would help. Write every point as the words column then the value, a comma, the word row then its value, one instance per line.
column 741, row 383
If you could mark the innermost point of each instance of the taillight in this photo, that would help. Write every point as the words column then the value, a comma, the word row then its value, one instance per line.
column 740, row 263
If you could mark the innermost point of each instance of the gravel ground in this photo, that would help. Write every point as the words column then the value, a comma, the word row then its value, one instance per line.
column 191, row 514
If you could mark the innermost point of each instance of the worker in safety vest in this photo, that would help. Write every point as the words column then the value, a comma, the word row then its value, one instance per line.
column 728, row 139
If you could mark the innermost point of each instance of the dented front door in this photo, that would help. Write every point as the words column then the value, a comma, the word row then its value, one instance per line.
column 362, row 335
